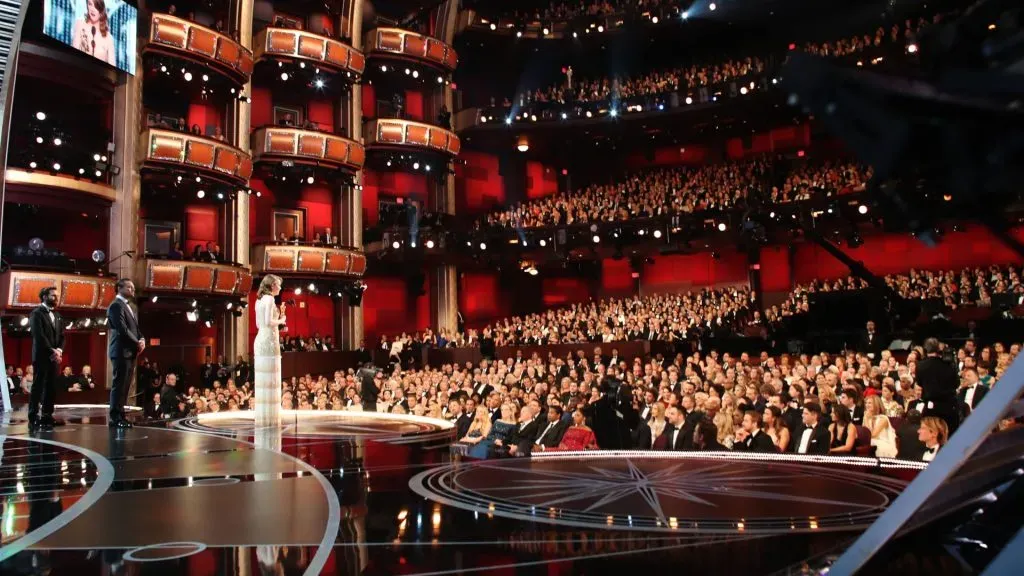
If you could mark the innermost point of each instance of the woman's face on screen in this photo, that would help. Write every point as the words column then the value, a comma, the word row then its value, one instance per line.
column 94, row 13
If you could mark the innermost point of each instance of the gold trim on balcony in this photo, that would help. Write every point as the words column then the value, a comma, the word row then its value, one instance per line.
column 19, row 289
column 395, row 133
column 307, row 261
column 395, row 42
column 274, row 144
column 179, row 37
column 193, row 278
column 302, row 45
column 36, row 179
column 168, row 148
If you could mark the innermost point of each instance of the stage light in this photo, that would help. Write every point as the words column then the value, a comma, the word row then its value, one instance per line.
column 483, row 246
column 712, row 7
column 396, row 244
column 722, row 226
column 863, row 209
column 96, row 158
column 546, row 31
column 199, row 179
column 415, row 165
column 258, row 194
column 911, row 48
column 302, row 65
column 32, row 165
column 596, row 239
column 661, row 106
column 192, row 315
column 519, row 34
column 689, row 100
column 319, row 83
column 209, row 324
column 40, row 116
column 523, row 144
column 154, row 299
column 188, row 76
column 81, row 170
column 310, row 180
column 654, row 20
column 641, row 232
column 389, row 163
column 589, row 114
column 430, row 243
column 613, row 113
column 775, row 81
column 657, row 233
column 508, row 120
column 771, row 214
column 201, row 194
column 415, row 73
column 23, row 321
column 284, row 76
column 533, row 117
column 57, row 141
column 87, row 323
column 312, row 287
column 39, row 139
column 407, row 71
column 686, row 15
column 600, row 28
column 412, row 243
column 56, row 166
column 426, row 167
column 493, row 26
column 103, row 158
column 440, row 79
column 99, row 174
column 743, row 90
column 565, row 116
column 206, row 78
column 297, row 291
column 543, row 242
column 575, row 35
column 220, row 195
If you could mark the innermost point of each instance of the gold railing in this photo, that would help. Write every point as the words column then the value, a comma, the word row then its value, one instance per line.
column 193, row 278
column 184, row 150
column 302, row 45
column 180, row 37
column 275, row 143
column 19, row 289
column 392, row 132
column 307, row 260
column 42, row 179
column 386, row 42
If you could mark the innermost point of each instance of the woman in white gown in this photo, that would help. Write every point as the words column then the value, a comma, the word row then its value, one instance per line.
column 267, row 353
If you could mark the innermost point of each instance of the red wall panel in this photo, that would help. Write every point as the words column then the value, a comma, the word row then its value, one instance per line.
column 204, row 114
column 669, row 156
column 322, row 113
column 541, row 180
column 388, row 308
column 897, row 253
column 369, row 101
column 788, row 137
column 395, row 184
column 481, row 298
column 261, row 108
column 775, row 270
column 201, row 226
column 617, row 277
column 478, row 184
column 565, row 290
column 414, row 105
column 317, row 201
column 681, row 271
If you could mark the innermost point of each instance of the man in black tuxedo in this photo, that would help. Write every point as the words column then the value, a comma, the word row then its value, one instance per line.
column 971, row 390
column 47, row 353
column 750, row 437
column 813, row 436
column 126, row 343
column 369, row 390
column 524, row 433
column 871, row 342
column 676, row 431
column 242, row 372
column 551, row 435
column 461, row 421
column 939, row 382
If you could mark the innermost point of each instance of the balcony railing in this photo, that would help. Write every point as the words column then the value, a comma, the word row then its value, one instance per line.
column 168, row 148
column 275, row 144
column 308, row 261
column 178, row 37
column 305, row 46
column 193, row 278
column 31, row 179
column 403, row 44
column 19, row 289
column 395, row 133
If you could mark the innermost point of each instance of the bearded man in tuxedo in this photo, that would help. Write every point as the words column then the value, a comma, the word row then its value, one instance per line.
column 47, row 354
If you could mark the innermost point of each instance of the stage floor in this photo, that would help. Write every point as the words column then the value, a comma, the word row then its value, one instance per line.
column 348, row 493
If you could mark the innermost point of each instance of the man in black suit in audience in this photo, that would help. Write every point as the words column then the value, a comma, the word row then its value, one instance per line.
column 750, row 437
column 939, row 382
column 972, row 391
column 551, row 435
column 871, row 342
column 47, row 353
column 369, row 390
column 910, row 445
column 677, row 431
column 813, row 436
column 126, row 343
column 523, row 435
column 461, row 421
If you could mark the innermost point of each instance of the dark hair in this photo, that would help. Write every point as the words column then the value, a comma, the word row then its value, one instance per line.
column 45, row 291
column 842, row 413
column 912, row 418
column 778, row 420
column 932, row 346
column 121, row 283
column 813, row 407
column 852, row 393
column 708, row 431
column 755, row 416
column 557, row 409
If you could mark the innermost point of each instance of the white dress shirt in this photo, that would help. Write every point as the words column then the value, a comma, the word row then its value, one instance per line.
column 929, row 454
column 969, row 396
column 805, row 440
column 546, row 430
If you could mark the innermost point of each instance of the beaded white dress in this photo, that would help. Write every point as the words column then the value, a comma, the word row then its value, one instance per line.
column 267, row 363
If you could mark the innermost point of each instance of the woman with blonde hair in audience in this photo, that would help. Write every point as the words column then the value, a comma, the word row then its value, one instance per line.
column 656, row 421
column 883, row 436
column 933, row 433
column 775, row 427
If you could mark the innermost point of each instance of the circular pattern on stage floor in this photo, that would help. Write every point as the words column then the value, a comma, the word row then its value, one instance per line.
column 164, row 551
column 666, row 491
column 333, row 424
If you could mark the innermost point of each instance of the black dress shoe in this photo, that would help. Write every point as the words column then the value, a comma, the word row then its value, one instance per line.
column 49, row 421
column 46, row 426
column 33, row 424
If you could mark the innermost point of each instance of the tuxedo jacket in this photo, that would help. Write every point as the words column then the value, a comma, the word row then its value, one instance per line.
column 819, row 443
column 124, row 331
column 462, row 425
column 759, row 442
column 47, row 335
column 979, row 392
column 681, row 443
column 642, row 436
column 524, row 438
column 554, row 436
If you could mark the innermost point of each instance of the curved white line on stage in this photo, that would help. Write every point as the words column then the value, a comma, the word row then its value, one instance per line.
column 197, row 547
column 331, row 414
column 861, row 461
column 323, row 551
column 104, row 479
column 91, row 406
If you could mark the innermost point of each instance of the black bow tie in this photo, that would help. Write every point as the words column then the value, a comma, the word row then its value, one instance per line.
column 933, row 450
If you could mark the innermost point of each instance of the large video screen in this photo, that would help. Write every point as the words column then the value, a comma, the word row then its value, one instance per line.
column 103, row 29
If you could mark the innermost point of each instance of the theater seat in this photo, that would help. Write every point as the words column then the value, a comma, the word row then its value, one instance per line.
column 863, row 446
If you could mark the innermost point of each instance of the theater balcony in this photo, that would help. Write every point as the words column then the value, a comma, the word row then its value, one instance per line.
column 189, row 279
column 188, row 41
column 305, row 261
column 294, row 146
column 293, row 46
column 169, row 151
column 393, row 46
column 410, row 136
column 19, row 291
column 34, row 182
